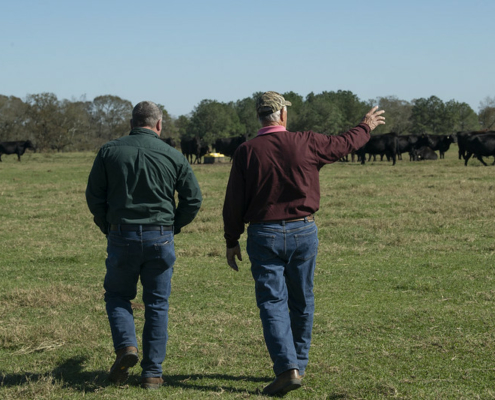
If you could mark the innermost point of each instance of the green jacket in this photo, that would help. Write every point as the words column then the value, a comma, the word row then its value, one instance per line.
column 134, row 180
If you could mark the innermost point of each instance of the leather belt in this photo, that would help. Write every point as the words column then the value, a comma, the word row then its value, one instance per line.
column 144, row 228
column 309, row 218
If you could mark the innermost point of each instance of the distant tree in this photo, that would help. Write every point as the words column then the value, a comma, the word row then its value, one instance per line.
column 169, row 130
column 330, row 112
column 211, row 120
column 429, row 116
column 44, row 119
column 351, row 107
column 110, row 116
column 12, row 119
column 397, row 115
column 294, row 111
column 246, row 112
column 460, row 117
column 76, row 127
column 321, row 115
column 486, row 113
column 181, row 124
column 86, row 125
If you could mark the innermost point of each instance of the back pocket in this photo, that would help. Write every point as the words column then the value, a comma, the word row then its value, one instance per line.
column 165, row 251
column 261, row 247
column 306, row 245
column 118, row 252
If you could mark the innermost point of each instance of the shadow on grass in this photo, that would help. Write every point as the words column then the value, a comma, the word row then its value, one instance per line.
column 71, row 375
column 188, row 382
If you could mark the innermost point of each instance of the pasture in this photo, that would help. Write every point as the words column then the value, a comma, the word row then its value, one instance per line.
column 404, row 286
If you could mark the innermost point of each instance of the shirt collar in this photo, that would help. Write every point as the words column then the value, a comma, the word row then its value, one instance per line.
column 271, row 129
column 137, row 131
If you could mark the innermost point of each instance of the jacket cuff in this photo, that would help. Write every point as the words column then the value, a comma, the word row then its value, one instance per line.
column 102, row 224
column 365, row 126
column 232, row 243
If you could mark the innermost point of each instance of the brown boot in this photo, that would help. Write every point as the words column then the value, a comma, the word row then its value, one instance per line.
column 152, row 382
column 283, row 383
column 126, row 358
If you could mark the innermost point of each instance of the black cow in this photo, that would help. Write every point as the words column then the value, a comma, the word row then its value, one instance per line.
column 425, row 153
column 17, row 147
column 481, row 145
column 462, row 138
column 193, row 147
column 441, row 143
column 423, row 140
column 407, row 144
column 169, row 141
column 228, row 146
column 380, row 144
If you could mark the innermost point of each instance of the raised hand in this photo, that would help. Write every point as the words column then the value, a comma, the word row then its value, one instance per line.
column 374, row 118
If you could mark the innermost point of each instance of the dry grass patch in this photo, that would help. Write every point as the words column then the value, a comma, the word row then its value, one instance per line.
column 58, row 297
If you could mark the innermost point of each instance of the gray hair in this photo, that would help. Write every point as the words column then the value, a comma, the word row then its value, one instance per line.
column 273, row 117
column 146, row 113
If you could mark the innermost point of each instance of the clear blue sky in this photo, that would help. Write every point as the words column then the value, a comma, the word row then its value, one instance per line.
column 177, row 53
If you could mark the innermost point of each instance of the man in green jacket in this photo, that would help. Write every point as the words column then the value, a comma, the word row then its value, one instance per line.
column 130, row 193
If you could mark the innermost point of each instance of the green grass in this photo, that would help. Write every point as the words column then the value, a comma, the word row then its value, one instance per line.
column 404, row 289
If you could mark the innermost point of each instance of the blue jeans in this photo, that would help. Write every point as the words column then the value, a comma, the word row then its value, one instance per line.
column 149, row 256
column 283, row 258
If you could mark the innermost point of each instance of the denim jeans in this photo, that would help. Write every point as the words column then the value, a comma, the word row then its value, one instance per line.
column 148, row 255
column 283, row 257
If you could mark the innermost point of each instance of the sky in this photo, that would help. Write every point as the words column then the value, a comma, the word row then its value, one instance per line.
column 177, row 53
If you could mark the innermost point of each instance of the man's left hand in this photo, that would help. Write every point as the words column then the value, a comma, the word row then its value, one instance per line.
column 232, row 253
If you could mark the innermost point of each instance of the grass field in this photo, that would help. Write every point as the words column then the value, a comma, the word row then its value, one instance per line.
column 405, row 292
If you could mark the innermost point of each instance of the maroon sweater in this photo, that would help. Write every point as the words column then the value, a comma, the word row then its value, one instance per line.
column 275, row 176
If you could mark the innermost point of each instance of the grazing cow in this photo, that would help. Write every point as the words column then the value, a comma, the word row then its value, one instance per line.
column 380, row 144
column 203, row 151
column 228, row 146
column 17, row 147
column 169, row 141
column 193, row 147
column 425, row 153
column 480, row 145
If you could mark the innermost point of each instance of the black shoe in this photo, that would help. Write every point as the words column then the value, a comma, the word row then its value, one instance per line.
column 284, row 383
column 126, row 358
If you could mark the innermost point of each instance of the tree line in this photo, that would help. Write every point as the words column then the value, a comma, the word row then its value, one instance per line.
column 78, row 125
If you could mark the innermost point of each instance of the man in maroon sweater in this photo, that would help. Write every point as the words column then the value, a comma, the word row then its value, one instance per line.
column 274, row 187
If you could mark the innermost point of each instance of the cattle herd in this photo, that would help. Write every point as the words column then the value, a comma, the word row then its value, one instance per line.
column 477, row 144
column 195, row 147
